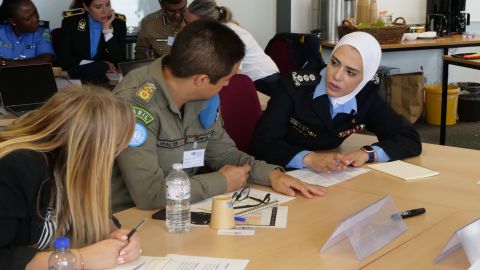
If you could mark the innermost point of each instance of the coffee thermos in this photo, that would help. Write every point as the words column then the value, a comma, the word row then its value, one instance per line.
column 331, row 13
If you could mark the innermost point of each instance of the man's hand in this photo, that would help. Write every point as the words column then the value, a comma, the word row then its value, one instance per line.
column 236, row 176
column 287, row 184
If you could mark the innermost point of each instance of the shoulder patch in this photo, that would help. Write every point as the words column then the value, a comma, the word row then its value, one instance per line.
column 120, row 17
column 73, row 12
column 302, row 78
column 139, row 135
column 142, row 115
column 145, row 92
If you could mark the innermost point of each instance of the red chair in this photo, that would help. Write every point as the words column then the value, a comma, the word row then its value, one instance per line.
column 240, row 110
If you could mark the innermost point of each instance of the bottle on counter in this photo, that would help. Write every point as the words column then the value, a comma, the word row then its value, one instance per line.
column 362, row 11
column 372, row 12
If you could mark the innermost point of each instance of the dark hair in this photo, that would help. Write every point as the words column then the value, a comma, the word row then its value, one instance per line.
column 171, row 1
column 205, row 47
column 79, row 3
column 9, row 7
column 208, row 9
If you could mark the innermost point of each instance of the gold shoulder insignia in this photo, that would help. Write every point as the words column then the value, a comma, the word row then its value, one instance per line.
column 120, row 17
column 73, row 12
column 145, row 92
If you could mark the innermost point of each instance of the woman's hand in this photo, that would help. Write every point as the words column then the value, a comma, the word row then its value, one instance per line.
column 108, row 24
column 358, row 158
column 287, row 184
column 132, row 249
column 326, row 162
column 103, row 254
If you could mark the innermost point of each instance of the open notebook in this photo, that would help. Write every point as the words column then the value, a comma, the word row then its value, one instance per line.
column 404, row 170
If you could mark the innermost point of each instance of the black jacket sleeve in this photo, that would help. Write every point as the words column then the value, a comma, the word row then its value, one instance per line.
column 396, row 136
column 68, row 55
column 21, row 174
column 268, row 142
column 115, row 48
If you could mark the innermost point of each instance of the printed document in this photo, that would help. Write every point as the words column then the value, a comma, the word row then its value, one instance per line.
column 326, row 179
column 181, row 262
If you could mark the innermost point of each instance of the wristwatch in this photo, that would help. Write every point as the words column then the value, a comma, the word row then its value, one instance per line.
column 370, row 151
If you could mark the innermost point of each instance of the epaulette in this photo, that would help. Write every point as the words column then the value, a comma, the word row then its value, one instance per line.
column 43, row 23
column 120, row 17
column 301, row 78
column 73, row 12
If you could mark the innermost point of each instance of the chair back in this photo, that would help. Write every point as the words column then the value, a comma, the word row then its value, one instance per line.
column 240, row 109
column 56, row 35
column 294, row 51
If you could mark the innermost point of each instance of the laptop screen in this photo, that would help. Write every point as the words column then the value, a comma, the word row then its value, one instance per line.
column 23, row 85
column 126, row 67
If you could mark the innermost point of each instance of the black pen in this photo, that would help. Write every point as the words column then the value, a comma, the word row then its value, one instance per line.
column 412, row 212
column 134, row 230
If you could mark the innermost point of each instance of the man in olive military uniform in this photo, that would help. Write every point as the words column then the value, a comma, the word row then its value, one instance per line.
column 170, row 99
column 158, row 29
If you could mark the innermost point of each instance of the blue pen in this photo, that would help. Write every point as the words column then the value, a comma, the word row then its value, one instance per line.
column 240, row 219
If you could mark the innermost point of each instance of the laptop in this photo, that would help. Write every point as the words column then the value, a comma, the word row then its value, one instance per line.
column 126, row 67
column 25, row 88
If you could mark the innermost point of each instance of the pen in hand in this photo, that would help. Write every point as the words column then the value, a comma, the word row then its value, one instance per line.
column 134, row 230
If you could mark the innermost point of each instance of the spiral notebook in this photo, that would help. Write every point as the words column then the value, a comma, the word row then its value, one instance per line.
column 257, row 208
column 404, row 170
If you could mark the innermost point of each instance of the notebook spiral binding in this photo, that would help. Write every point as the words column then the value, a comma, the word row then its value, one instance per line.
column 257, row 208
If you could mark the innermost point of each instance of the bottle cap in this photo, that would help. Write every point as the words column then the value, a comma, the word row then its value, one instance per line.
column 61, row 242
column 177, row 166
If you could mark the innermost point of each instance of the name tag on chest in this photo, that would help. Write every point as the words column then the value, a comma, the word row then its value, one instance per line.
column 193, row 158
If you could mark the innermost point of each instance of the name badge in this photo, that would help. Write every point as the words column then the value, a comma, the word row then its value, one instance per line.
column 170, row 40
column 193, row 158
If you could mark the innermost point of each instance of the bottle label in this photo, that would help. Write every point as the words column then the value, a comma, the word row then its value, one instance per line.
column 178, row 192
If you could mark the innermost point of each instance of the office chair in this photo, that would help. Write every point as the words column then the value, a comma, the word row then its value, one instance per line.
column 56, row 35
column 240, row 109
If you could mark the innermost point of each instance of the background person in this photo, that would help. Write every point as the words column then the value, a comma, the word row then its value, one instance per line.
column 305, row 118
column 175, row 125
column 24, row 40
column 256, row 64
column 158, row 29
column 46, row 192
column 93, row 40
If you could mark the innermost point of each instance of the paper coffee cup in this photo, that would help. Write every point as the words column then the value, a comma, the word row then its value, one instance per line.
column 222, row 213
column 57, row 71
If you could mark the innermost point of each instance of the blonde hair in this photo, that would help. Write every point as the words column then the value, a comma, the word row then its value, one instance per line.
column 208, row 9
column 83, row 128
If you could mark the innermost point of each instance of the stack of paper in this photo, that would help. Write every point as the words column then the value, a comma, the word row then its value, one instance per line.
column 403, row 170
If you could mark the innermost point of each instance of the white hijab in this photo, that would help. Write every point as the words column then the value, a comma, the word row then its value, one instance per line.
column 371, row 54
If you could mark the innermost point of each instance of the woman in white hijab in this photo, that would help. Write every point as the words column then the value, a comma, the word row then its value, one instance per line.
column 309, row 115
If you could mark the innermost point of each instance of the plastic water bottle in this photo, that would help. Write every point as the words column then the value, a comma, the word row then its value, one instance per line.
column 62, row 258
column 178, row 200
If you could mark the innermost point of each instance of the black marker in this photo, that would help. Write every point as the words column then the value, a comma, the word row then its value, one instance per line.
column 134, row 230
column 412, row 212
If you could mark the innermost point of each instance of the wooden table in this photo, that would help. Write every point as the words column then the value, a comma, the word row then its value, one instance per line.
column 451, row 200
column 310, row 224
column 445, row 43
column 6, row 120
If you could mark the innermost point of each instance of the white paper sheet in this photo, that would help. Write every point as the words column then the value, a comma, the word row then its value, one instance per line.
column 180, row 262
column 326, row 179
column 144, row 263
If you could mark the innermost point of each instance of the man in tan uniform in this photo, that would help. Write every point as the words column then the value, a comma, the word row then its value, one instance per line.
column 170, row 99
column 158, row 29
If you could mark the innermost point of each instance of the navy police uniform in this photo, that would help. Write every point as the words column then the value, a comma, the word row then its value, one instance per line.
column 294, row 121
column 27, row 45
column 76, row 46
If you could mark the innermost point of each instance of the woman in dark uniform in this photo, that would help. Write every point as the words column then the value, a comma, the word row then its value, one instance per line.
column 305, row 117
column 93, row 40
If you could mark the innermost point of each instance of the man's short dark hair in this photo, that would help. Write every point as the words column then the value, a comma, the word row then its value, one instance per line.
column 171, row 1
column 205, row 47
